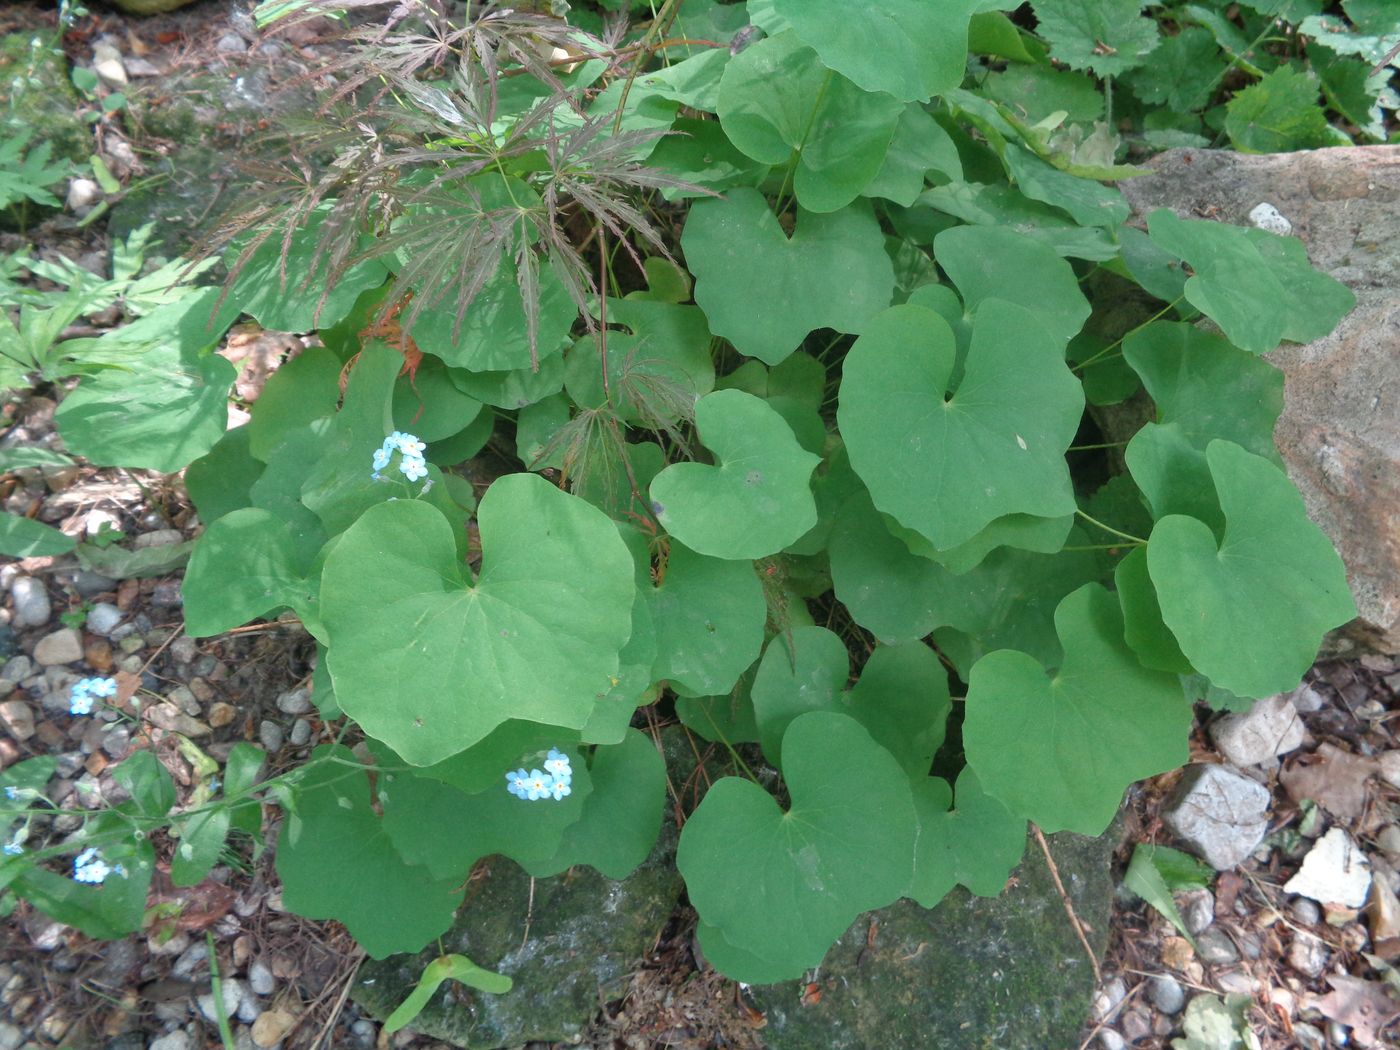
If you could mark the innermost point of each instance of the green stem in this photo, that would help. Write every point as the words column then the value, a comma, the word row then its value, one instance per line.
column 1102, row 444
column 225, row 1033
column 1132, row 331
column 1110, row 528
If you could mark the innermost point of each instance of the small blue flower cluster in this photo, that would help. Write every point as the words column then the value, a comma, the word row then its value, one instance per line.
column 88, row 866
column 87, row 690
column 411, row 462
column 553, row 782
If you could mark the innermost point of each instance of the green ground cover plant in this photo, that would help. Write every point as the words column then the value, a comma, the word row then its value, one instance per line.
column 785, row 328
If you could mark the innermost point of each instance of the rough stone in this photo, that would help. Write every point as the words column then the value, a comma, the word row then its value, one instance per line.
column 1166, row 993
column 1340, row 429
column 1335, row 871
column 1307, row 954
column 294, row 702
column 1271, row 727
column 18, row 719
column 107, row 64
column 1219, row 813
column 1215, row 947
column 586, row 934
column 231, row 994
column 1008, row 968
column 103, row 618
column 63, row 646
column 32, row 607
column 270, row 736
column 260, row 978
column 176, row 1040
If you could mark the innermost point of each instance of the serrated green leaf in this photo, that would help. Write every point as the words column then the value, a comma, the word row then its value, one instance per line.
column 756, row 500
column 1378, row 32
column 1060, row 749
column 901, row 697
column 976, row 843
column 778, row 102
column 832, row 273
column 1277, row 114
column 535, row 636
column 947, row 466
column 26, row 538
column 989, row 263
column 1108, row 37
column 336, row 862
column 1181, row 73
column 786, row 885
column 709, row 616
column 1250, row 610
column 905, row 48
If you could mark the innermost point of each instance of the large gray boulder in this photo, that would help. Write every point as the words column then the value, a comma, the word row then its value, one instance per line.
column 1005, row 972
column 1340, row 429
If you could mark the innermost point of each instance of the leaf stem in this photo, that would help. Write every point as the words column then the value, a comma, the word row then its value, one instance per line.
column 1110, row 528
column 1132, row 331
column 1101, row 444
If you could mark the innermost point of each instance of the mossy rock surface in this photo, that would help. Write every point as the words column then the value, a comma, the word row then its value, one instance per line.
column 586, row 934
column 974, row 973
column 149, row 7
column 37, row 95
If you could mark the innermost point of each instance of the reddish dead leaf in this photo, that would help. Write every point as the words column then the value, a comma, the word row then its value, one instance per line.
column 1227, row 888
column 190, row 908
column 811, row 995
column 1333, row 778
column 257, row 354
column 1363, row 1006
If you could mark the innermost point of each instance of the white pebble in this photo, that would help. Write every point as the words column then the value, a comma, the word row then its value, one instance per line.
column 1267, row 217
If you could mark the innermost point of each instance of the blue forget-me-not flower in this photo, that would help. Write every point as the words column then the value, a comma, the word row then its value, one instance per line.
column 88, row 866
column 86, row 691
column 552, row 782
column 411, row 463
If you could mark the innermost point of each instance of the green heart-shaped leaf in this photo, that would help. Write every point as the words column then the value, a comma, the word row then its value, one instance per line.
column 621, row 817
column 784, row 886
column 989, row 262
column 1258, row 287
column 1172, row 474
column 976, row 844
column 245, row 565
column 901, row 697
column 1250, row 610
column 1059, row 749
column 832, row 273
column 447, row 830
column 757, row 500
column 709, row 616
column 910, row 49
column 430, row 663
column 777, row 101
column 948, row 466
column 1206, row 386
column 336, row 862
